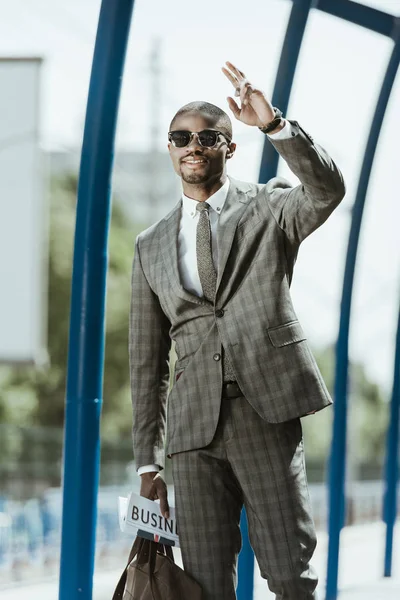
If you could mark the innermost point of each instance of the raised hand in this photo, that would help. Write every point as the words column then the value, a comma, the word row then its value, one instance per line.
column 255, row 108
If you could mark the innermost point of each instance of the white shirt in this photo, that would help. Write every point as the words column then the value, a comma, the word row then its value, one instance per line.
column 187, row 260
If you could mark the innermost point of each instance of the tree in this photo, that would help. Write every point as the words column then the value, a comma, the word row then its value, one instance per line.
column 367, row 415
column 29, row 396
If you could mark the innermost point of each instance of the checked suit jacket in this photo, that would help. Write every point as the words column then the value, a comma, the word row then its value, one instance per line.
column 259, row 232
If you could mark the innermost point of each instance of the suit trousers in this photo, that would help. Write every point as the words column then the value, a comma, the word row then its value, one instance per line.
column 260, row 465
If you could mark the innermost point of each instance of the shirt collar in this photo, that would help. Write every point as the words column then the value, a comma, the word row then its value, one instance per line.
column 216, row 201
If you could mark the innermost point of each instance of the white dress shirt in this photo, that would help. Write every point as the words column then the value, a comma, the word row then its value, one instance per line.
column 187, row 260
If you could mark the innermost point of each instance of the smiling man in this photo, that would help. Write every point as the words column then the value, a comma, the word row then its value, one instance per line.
column 214, row 277
column 199, row 169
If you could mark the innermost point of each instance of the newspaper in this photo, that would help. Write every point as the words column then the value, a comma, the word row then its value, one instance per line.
column 142, row 517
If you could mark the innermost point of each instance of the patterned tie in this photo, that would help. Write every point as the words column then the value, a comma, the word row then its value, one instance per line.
column 207, row 272
column 205, row 264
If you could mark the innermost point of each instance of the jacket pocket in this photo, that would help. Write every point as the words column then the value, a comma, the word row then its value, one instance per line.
column 289, row 333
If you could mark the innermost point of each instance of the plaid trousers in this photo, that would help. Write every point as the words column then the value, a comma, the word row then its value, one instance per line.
column 260, row 465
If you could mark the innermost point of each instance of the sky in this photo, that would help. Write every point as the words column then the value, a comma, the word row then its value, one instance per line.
column 337, row 82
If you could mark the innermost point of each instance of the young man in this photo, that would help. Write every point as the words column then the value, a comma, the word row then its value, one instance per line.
column 214, row 276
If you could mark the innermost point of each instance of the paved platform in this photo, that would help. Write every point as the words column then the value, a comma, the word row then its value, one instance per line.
column 361, row 565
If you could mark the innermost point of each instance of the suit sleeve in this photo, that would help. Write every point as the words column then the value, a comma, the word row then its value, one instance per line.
column 302, row 209
column 149, row 346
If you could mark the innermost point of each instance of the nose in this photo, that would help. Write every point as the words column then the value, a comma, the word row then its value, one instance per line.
column 194, row 142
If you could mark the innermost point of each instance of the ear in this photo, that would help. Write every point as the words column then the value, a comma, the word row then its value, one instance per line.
column 231, row 150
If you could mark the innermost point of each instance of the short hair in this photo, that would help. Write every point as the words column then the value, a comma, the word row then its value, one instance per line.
column 221, row 118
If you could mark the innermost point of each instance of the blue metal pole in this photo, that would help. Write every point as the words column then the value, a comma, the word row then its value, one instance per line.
column 338, row 451
column 392, row 460
column 86, row 341
column 284, row 78
column 245, row 587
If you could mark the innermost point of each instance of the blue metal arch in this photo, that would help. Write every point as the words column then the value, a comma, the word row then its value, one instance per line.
column 388, row 25
column 284, row 78
column 392, row 459
column 338, row 456
column 86, row 341
column 362, row 15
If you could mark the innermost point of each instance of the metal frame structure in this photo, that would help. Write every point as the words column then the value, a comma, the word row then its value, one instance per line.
column 392, row 459
column 338, row 454
column 86, row 344
column 86, row 340
column 388, row 25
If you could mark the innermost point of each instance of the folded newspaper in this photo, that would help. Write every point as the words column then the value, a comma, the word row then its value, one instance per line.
column 142, row 517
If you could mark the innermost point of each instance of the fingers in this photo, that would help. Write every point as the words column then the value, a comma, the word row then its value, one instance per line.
column 234, row 107
column 245, row 93
column 162, row 495
column 236, row 77
column 243, row 88
column 234, row 81
column 238, row 74
column 155, row 488
column 164, row 506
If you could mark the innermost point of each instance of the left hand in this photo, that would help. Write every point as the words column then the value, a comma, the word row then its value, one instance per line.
column 255, row 108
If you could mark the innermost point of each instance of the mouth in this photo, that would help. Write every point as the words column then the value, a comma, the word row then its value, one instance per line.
column 194, row 163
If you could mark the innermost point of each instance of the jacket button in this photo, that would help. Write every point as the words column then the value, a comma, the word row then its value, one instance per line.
column 219, row 313
column 217, row 356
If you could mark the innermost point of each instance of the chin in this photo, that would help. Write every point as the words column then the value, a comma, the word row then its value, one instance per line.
column 194, row 177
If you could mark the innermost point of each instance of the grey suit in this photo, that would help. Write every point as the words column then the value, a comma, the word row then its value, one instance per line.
column 259, row 232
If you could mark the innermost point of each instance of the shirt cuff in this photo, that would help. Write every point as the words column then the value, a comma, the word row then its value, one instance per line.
column 284, row 133
column 148, row 469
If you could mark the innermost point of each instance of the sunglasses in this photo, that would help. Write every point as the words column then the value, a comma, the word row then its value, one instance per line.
column 207, row 138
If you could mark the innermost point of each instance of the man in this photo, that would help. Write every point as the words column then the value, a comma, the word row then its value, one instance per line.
column 213, row 276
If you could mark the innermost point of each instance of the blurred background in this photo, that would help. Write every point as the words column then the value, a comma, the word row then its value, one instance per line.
column 175, row 55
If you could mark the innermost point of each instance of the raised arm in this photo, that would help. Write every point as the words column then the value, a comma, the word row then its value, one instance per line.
column 302, row 209
column 298, row 210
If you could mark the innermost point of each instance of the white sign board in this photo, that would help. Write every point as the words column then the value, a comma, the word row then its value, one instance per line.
column 142, row 517
column 23, row 215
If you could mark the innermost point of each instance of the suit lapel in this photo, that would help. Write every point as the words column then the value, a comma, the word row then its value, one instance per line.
column 234, row 207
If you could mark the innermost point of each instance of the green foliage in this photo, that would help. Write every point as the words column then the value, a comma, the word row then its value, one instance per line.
column 367, row 415
column 29, row 396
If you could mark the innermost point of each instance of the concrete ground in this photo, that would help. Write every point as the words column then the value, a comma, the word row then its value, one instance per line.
column 361, row 565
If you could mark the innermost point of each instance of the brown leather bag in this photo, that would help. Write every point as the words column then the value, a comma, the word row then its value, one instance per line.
column 151, row 574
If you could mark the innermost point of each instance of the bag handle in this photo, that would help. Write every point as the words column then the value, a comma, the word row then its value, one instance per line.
column 167, row 550
column 140, row 546
column 136, row 548
column 169, row 553
column 154, row 548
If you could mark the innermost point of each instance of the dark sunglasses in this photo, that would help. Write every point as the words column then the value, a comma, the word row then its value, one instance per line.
column 207, row 138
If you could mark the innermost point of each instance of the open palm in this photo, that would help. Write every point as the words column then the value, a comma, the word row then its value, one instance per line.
column 255, row 108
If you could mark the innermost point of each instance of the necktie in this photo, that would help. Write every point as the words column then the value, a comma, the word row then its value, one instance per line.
column 205, row 264
column 207, row 272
